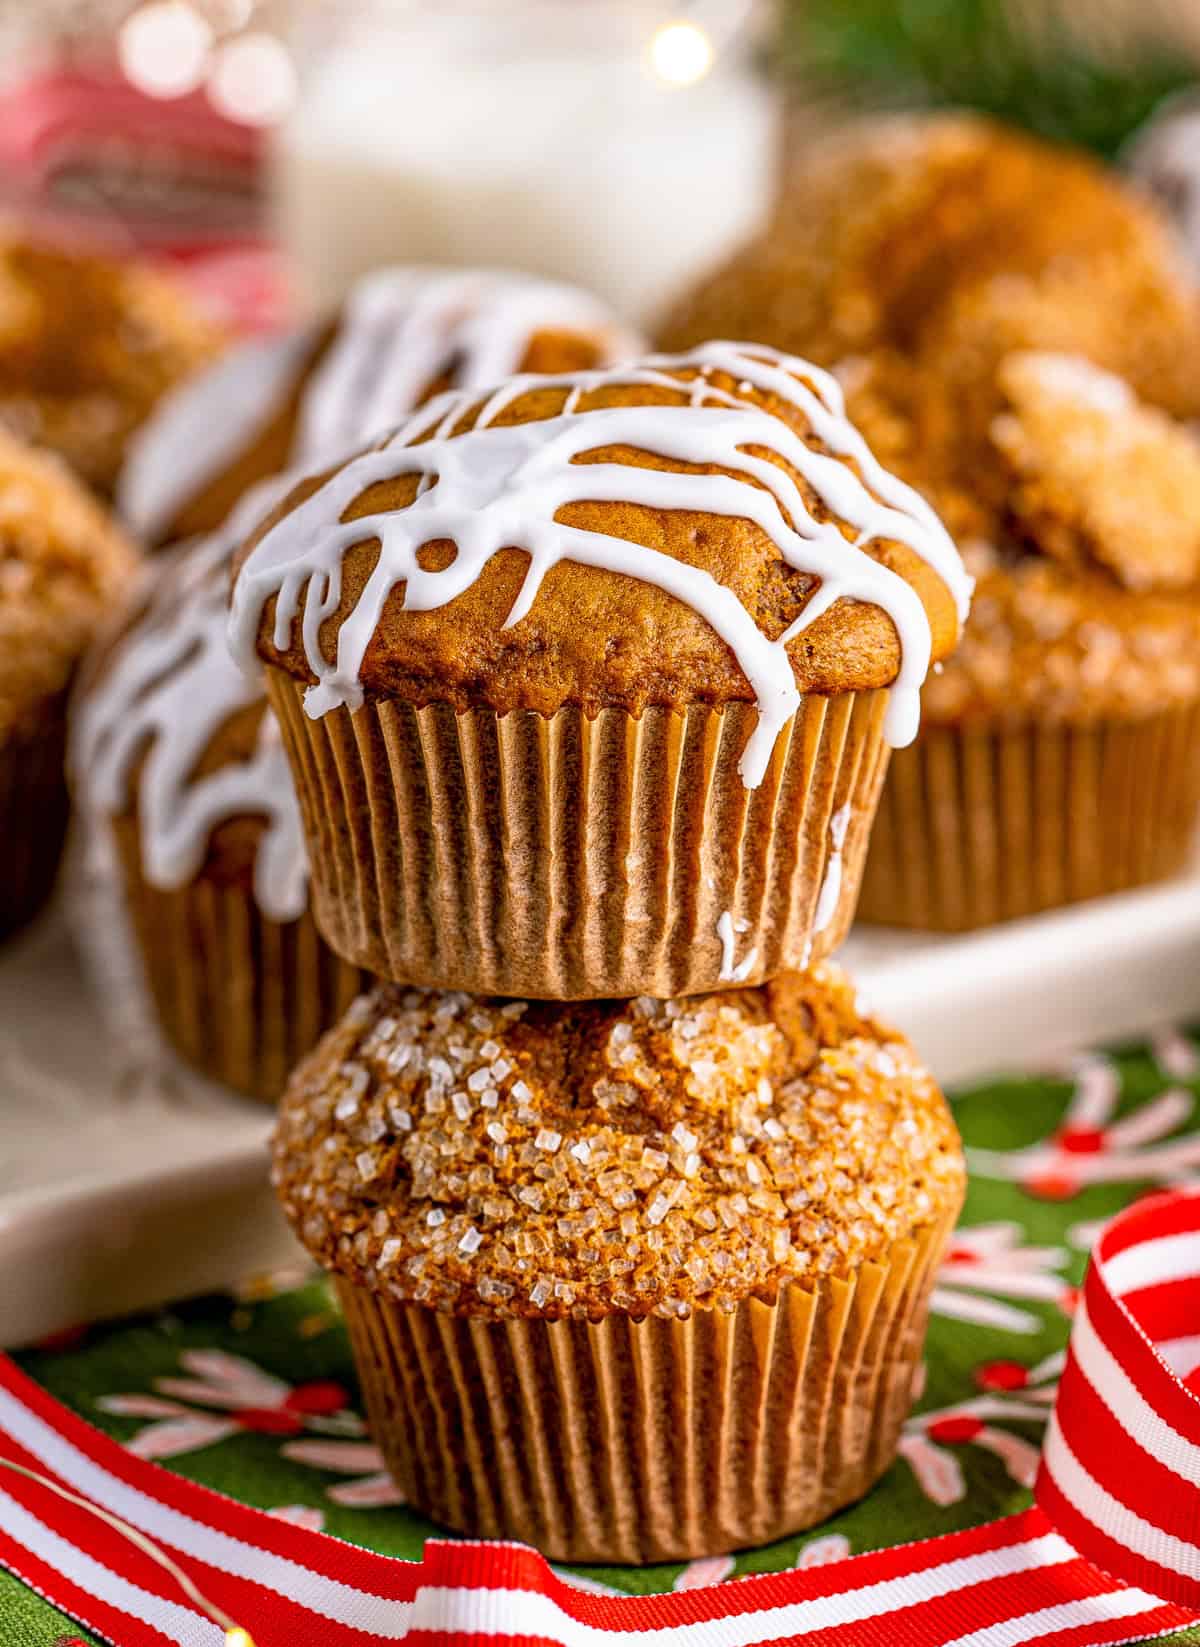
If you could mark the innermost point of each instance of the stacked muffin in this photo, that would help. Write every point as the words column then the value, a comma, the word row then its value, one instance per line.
column 177, row 756
column 587, row 685
column 1019, row 338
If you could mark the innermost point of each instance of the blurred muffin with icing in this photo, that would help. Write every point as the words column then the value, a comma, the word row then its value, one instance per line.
column 587, row 682
column 64, row 567
column 177, row 762
column 402, row 336
column 88, row 348
column 557, row 1230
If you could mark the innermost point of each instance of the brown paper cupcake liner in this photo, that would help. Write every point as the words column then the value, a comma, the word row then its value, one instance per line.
column 652, row 1440
column 34, row 810
column 568, row 857
column 979, row 825
column 241, row 998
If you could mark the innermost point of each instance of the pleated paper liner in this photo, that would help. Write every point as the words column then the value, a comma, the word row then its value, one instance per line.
column 979, row 825
column 570, row 857
column 628, row 1441
column 33, row 810
column 241, row 998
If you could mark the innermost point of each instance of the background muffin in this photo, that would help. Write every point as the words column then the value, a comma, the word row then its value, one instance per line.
column 176, row 753
column 995, row 308
column 318, row 394
column 598, row 727
column 1059, row 757
column 88, row 347
column 933, row 246
column 630, row 1280
column 64, row 566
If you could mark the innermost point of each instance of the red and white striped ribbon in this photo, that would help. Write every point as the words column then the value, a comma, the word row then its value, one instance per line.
column 1110, row 1554
column 1120, row 1474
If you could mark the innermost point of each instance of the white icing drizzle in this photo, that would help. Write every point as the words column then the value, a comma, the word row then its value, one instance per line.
column 203, row 426
column 831, row 885
column 401, row 330
column 491, row 487
column 169, row 688
column 730, row 973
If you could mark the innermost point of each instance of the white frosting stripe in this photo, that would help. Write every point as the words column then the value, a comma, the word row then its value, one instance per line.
column 169, row 689
column 492, row 487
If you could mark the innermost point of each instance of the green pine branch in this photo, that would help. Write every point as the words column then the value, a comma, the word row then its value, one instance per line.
column 940, row 53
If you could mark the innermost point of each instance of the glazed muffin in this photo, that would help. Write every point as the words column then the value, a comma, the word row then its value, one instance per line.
column 64, row 566
column 933, row 246
column 88, row 347
column 321, row 392
column 1059, row 757
column 629, row 1280
column 177, row 761
column 587, row 683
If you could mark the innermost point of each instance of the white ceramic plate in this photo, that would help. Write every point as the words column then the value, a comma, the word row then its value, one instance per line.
column 126, row 1182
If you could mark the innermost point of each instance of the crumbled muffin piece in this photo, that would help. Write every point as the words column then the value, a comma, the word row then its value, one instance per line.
column 1097, row 478
column 515, row 1158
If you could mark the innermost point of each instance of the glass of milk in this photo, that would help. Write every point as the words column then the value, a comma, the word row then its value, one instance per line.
column 620, row 144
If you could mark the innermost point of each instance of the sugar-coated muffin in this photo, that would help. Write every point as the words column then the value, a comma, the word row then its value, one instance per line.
column 88, row 347
column 1059, row 756
column 632, row 1280
column 64, row 566
column 177, row 760
column 319, row 393
column 587, row 683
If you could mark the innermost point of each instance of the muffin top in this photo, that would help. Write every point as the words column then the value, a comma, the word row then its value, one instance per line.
column 87, row 348
column 533, row 1158
column 64, row 566
column 707, row 527
column 319, row 393
column 1087, row 600
column 168, row 732
column 957, row 240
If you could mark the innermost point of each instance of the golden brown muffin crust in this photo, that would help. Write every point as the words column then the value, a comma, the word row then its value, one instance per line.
column 514, row 1158
column 64, row 568
column 87, row 348
column 955, row 239
column 596, row 638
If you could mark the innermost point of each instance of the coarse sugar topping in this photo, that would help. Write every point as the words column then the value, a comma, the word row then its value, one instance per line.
column 576, row 1159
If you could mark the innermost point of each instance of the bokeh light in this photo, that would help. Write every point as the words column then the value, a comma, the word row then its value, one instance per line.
column 681, row 53
column 164, row 48
column 253, row 79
